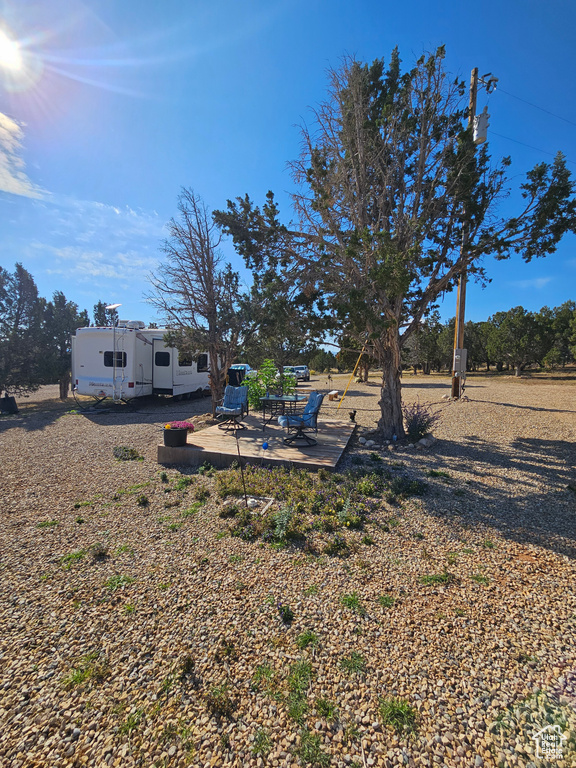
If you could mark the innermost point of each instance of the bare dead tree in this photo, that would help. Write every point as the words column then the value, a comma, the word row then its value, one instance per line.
column 199, row 297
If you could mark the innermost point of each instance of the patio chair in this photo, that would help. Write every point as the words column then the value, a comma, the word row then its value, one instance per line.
column 233, row 409
column 302, row 423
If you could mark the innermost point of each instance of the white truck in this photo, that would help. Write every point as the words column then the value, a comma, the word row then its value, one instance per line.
column 130, row 360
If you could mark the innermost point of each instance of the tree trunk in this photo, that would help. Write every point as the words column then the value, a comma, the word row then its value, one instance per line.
column 517, row 370
column 216, row 380
column 64, row 383
column 391, row 421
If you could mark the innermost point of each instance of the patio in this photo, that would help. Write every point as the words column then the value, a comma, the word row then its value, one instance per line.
column 220, row 448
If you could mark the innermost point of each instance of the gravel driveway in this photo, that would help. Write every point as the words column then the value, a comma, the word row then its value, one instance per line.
column 136, row 632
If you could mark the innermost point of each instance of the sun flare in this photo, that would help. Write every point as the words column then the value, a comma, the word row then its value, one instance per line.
column 10, row 56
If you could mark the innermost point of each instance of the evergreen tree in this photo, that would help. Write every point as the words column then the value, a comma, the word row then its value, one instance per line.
column 61, row 319
column 21, row 350
column 395, row 202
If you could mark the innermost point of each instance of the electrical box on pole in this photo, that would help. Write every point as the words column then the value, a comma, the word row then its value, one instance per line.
column 481, row 126
column 460, row 360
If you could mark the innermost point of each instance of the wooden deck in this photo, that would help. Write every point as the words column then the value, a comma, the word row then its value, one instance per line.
column 220, row 448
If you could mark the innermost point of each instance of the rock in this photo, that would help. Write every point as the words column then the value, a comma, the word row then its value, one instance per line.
column 370, row 443
column 362, row 440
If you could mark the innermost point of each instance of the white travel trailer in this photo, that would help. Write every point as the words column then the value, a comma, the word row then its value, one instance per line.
column 130, row 360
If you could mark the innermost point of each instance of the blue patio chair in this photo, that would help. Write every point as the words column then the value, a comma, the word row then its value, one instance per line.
column 302, row 423
column 233, row 409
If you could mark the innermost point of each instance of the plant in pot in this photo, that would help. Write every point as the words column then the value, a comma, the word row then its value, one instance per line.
column 176, row 432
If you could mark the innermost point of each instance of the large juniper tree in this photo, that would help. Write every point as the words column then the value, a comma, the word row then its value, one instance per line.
column 395, row 201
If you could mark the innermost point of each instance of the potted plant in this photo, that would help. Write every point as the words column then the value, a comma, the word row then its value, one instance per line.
column 176, row 432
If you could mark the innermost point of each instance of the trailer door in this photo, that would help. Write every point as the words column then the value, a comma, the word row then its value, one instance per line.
column 163, row 368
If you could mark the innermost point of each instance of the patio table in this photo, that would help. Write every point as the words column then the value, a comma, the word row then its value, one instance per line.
column 277, row 405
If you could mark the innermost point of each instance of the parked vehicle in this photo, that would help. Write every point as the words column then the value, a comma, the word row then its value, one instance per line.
column 130, row 360
column 238, row 372
column 302, row 372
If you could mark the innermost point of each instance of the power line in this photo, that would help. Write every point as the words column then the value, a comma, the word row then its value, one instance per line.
column 530, row 146
column 548, row 112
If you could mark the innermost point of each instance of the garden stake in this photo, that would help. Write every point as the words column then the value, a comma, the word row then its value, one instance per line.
column 241, row 468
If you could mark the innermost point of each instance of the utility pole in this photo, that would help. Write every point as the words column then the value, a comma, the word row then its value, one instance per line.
column 479, row 124
column 459, row 360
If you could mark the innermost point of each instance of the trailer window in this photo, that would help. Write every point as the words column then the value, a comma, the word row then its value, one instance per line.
column 202, row 361
column 184, row 360
column 109, row 359
column 162, row 359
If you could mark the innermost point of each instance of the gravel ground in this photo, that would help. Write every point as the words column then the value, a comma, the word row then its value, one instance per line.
column 134, row 633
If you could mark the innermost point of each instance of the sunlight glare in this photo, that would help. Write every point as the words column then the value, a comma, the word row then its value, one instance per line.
column 10, row 56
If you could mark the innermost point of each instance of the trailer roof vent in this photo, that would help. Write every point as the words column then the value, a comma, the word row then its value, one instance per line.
column 138, row 324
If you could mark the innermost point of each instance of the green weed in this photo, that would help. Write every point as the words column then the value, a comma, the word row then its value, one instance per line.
column 436, row 578
column 262, row 743
column 326, row 709
column 353, row 664
column 117, row 581
column 307, row 639
column 73, row 557
column 352, row 601
column 397, row 714
column 93, row 666
column 310, row 751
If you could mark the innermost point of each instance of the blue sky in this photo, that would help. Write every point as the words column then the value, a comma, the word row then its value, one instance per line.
column 124, row 102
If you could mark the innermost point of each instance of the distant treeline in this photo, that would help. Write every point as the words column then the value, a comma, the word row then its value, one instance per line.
column 35, row 333
column 35, row 339
column 512, row 340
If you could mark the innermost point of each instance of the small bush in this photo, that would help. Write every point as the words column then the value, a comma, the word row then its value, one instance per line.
column 229, row 510
column 218, row 700
column 123, row 453
column 99, row 551
column 419, row 420
column 183, row 482
column 286, row 613
column 338, row 547
column 403, row 487
column 202, row 494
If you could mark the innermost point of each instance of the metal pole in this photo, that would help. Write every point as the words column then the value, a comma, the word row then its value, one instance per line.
column 461, row 296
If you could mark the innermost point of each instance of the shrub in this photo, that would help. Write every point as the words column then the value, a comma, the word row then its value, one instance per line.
column 122, row 453
column 419, row 420
column 286, row 613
